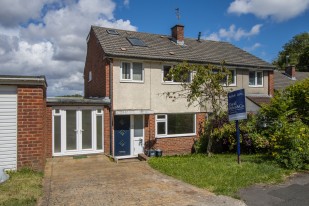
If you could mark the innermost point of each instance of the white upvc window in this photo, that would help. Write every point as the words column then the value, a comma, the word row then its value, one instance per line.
column 132, row 72
column 175, row 125
column 256, row 78
column 233, row 79
column 168, row 79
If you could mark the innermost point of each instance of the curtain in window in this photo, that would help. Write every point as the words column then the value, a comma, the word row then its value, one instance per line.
column 251, row 78
column 137, row 71
column 126, row 71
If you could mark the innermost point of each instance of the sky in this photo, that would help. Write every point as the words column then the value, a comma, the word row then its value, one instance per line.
column 48, row 37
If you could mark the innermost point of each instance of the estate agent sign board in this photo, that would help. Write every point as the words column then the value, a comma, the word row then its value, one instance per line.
column 237, row 111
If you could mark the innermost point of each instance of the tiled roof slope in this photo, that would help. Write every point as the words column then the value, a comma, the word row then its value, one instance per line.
column 282, row 80
column 160, row 47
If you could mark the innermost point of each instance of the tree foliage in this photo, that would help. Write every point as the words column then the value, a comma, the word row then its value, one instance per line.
column 206, row 88
column 297, row 50
column 285, row 124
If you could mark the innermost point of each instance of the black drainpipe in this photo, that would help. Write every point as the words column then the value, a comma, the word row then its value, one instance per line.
column 111, row 106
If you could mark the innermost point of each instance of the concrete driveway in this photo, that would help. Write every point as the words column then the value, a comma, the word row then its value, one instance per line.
column 96, row 180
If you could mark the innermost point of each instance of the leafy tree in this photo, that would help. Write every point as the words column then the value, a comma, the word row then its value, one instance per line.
column 297, row 50
column 205, row 90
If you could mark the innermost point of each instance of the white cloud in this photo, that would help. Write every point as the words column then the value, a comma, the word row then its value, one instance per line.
column 56, row 46
column 279, row 10
column 253, row 47
column 234, row 34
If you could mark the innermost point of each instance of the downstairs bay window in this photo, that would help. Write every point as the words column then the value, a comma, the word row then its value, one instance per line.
column 173, row 125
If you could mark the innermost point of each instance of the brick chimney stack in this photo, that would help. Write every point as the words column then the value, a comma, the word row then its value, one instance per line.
column 178, row 34
column 290, row 71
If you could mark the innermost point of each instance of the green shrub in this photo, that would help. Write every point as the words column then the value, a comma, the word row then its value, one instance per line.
column 224, row 135
column 290, row 144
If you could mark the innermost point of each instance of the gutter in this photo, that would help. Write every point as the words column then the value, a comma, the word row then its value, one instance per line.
column 111, row 106
column 23, row 80
column 243, row 66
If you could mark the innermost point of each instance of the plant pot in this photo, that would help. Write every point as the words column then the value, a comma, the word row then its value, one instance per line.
column 158, row 153
column 151, row 153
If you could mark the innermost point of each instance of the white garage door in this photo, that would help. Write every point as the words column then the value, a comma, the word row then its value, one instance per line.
column 8, row 127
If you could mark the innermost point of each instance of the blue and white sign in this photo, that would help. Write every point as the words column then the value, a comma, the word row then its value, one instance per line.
column 237, row 105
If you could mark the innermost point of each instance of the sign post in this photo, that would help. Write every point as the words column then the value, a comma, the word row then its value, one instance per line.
column 237, row 111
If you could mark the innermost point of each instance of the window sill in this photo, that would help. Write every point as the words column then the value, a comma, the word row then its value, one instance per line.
column 131, row 81
column 256, row 86
column 174, row 83
column 175, row 135
column 230, row 85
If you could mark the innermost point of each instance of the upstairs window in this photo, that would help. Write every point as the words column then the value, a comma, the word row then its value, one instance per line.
column 256, row 78
column 230, row 80
column 169, row 79
column 225, row 80
column 132, row 71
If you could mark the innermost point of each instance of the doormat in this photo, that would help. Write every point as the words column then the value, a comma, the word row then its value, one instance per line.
column 80, row 157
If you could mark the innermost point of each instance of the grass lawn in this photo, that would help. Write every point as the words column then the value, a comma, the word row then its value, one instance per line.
column 23, row 188
column 220, row 173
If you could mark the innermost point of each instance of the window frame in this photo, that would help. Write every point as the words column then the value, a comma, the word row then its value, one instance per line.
column 131, row 72
column 165, row 120
column 172, row 80
column 234, row 79
column 256, row 79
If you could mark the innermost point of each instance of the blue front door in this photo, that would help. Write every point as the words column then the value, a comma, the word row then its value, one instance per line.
column 122, row 135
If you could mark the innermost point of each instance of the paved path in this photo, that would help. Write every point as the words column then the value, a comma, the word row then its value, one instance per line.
column 98, row 181
column 293, row 192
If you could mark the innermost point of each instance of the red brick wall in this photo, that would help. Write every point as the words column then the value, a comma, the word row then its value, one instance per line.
column 178, row 32
column 31, row 127
column 99, row 67
column 106, row 131
column 49, row 127
column 271, row 83
column 171, row 145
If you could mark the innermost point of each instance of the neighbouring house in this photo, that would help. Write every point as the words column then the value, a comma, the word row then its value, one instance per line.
column 289, row 76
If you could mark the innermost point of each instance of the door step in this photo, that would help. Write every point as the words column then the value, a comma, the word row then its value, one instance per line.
column 142, row 157
column 127, row 160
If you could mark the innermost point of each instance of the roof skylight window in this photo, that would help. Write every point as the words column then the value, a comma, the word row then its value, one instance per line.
column 112, row 31
column 136, row 41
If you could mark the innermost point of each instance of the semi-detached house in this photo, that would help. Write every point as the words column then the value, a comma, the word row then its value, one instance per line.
column 129, row 68
column 124, row 111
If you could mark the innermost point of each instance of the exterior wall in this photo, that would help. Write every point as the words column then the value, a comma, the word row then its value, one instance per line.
column 251, row 107
column 49, row 132
column 148, row 94
column 242, row 80
column 107, row 142
column 271, row 83
column 99, row 67
column 171, row 145
column 31, row 129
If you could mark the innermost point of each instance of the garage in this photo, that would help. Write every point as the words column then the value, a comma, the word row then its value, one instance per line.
column 8, row 127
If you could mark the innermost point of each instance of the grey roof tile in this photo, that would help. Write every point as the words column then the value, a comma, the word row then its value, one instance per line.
column 282, row 80
column 161, row 47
